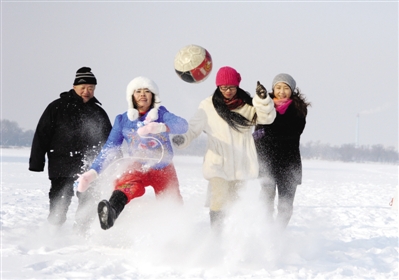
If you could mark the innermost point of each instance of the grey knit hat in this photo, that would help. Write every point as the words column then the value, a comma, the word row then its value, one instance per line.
column 285, row 78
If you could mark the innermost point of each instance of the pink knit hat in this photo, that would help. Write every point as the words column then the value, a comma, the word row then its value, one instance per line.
column 228, row 76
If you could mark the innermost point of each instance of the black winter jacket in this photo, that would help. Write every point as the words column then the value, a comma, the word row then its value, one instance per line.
column 71, row 133
column 277, row 145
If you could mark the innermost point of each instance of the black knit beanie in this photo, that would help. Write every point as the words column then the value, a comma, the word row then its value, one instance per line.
column 84, row 76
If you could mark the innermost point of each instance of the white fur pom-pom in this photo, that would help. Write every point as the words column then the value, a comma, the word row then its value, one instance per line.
column 132, row 114
column 152, row 115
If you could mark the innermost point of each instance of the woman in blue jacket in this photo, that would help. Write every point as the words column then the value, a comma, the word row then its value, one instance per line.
column 145, row 127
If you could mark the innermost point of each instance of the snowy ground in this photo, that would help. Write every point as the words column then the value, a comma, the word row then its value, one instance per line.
column 342, row 228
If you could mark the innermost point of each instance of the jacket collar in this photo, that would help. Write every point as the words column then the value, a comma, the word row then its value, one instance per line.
column 71, row 94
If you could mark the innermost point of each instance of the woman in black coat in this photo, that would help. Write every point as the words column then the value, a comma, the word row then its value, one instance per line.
column 277, row 146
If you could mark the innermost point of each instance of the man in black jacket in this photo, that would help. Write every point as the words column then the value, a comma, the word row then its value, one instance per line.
column 71, row 131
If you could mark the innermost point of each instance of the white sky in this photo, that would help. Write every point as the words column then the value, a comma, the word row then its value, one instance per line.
column 343, row 55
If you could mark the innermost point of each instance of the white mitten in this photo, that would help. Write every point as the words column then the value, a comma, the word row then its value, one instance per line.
column 264, row 109
column 85, row 179
column 258, row 101
column 152, row 127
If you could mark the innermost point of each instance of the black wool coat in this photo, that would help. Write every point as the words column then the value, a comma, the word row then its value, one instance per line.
column 277, row 146
column 71, row 133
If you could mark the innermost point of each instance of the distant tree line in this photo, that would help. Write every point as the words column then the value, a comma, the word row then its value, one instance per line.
column 13, row 135
column 349, row 153
column 317, row 150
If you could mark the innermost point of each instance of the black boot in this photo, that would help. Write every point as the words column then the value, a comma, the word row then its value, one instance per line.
column 217, row 218
column 85, row 213
column 109, row 211
column 60, row 195
column 58, row 210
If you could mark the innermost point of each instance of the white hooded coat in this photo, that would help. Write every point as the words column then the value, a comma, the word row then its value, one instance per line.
column 230, row 154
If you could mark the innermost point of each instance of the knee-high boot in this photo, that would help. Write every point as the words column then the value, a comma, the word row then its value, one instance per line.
column 108, row 211
column 267, row 195
column 285, row 205
column 284, row 215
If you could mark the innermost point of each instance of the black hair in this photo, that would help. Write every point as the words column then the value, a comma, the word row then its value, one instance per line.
column 233, row 119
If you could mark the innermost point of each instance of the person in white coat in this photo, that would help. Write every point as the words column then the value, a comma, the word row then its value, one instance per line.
column 228, row 118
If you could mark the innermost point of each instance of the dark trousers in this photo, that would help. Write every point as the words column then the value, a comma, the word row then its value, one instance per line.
column 286, row 195
column 60, row 195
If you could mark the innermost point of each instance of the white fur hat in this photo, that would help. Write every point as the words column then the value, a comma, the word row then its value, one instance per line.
column 137, row 83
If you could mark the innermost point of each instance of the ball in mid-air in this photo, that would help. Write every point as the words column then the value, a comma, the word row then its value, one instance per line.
column 193, row 64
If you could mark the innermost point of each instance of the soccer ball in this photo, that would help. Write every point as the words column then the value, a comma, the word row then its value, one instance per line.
column 193, row 64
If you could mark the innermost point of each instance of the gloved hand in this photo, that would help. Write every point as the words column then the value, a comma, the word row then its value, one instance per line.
column 85, row 179
column 264, row 107
column 178, row 140
column 152, row 127
column 261, row 90
column 258, row 134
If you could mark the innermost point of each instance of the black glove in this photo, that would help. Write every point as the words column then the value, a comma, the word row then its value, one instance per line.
column 261, row 91
column 178, row 140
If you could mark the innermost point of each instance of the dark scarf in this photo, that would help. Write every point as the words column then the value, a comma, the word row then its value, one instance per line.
column 234, row 103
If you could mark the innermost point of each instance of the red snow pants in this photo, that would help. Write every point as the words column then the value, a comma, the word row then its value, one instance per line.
column 164, row 181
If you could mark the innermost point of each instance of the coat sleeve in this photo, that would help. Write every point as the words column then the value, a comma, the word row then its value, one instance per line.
column 41, row 140
column 264, row 109
column 195, row 127
column 176, row 124
column 301, row 122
